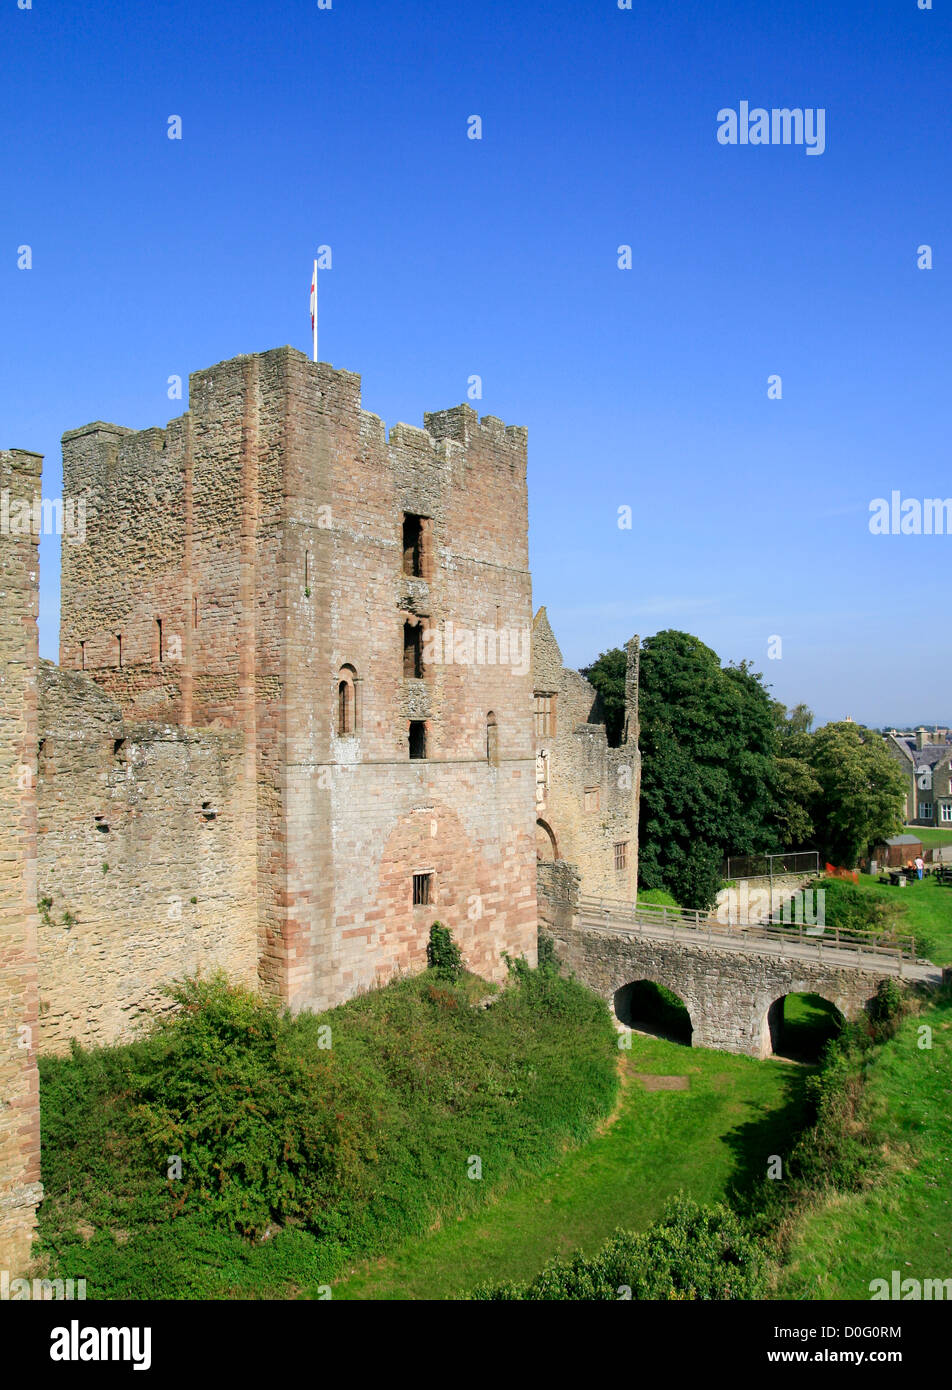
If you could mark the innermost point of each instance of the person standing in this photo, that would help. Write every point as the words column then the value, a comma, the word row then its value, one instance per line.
column 920, row 865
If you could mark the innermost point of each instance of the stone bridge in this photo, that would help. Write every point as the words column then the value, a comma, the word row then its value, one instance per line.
column 731, row 981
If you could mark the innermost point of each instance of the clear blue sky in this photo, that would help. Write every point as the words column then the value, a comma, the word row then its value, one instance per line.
column 497, row 257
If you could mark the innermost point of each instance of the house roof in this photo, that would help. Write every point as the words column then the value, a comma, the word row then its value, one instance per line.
column 904, row 840
column 928, row 755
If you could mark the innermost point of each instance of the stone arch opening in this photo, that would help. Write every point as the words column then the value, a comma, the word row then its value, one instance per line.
column 651, row 1008
column 346, row 701
column 798, row 1026
column 547, row 849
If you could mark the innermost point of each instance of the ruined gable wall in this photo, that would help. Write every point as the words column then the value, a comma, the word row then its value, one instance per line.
column 112, row 937
column 576, row 759
column 20, row 1189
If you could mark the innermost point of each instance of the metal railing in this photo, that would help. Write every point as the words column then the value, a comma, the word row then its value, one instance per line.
column 805, row 861
column 681, row 923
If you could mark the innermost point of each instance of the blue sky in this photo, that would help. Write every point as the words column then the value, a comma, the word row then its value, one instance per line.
column 453, row 257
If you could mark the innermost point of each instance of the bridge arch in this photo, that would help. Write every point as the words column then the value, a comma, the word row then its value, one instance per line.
column 652, row 1007
column 799, row 1023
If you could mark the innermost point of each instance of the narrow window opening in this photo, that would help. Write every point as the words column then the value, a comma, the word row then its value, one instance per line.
column 422, row 890
column 344, row 709
column 621, row 855
column 40, row 747
column 118, row 747
column 412, row 650
column 119, row 646
column 413, row 545
column 346, row 701
column 417, row 738
column 195, row 612
column 158, row 629
column 82, row 656
column 492, row 739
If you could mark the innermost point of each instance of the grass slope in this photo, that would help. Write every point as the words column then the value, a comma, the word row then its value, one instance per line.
column 296, row 1157
column 905, row 1222
column 706, row 1140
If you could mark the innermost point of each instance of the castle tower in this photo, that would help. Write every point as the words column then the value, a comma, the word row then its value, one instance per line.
column 359, row 609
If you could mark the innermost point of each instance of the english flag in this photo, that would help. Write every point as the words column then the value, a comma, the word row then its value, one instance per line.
column 314, row 308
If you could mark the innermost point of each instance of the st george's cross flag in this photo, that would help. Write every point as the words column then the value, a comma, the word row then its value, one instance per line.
column 314, row 309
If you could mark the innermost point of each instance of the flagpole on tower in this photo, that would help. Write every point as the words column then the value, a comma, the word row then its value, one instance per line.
column 314, row 308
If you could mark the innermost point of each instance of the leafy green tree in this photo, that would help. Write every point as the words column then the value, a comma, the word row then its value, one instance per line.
column 796, row 788
column 607, row 675
column 708, row 783
column 861, row 791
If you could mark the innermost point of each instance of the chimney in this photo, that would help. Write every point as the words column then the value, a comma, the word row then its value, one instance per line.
column 921, row 735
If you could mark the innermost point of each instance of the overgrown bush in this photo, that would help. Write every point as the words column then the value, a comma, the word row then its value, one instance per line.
column 690, row 1252
column 443, row 956
column 850, row 908
column 887, row 1009
column 232, row 1152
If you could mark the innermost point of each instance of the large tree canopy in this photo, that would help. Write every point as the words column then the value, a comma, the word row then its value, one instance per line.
column 860, row 791
column 707, row 739
column 726, row 769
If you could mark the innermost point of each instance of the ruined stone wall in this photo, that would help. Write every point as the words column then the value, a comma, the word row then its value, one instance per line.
column 143, row 874
column 558, row 887
column 20, row 1189
column 587, row 793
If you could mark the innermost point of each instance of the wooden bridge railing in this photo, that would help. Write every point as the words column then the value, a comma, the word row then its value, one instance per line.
column 676, row 922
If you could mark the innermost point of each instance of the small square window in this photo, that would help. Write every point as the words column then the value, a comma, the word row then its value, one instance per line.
column 422, row 890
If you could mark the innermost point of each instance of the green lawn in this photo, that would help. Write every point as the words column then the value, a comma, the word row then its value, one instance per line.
column 714, row 1135
column 929, row 835
column 924, row 909
column 906, row 1223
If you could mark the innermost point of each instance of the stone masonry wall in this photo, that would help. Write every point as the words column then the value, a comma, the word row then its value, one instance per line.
column 363, row 817
column 20, row 1189
column 135, row 821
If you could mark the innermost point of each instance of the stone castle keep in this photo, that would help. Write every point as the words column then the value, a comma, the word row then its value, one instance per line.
column 301, row 713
